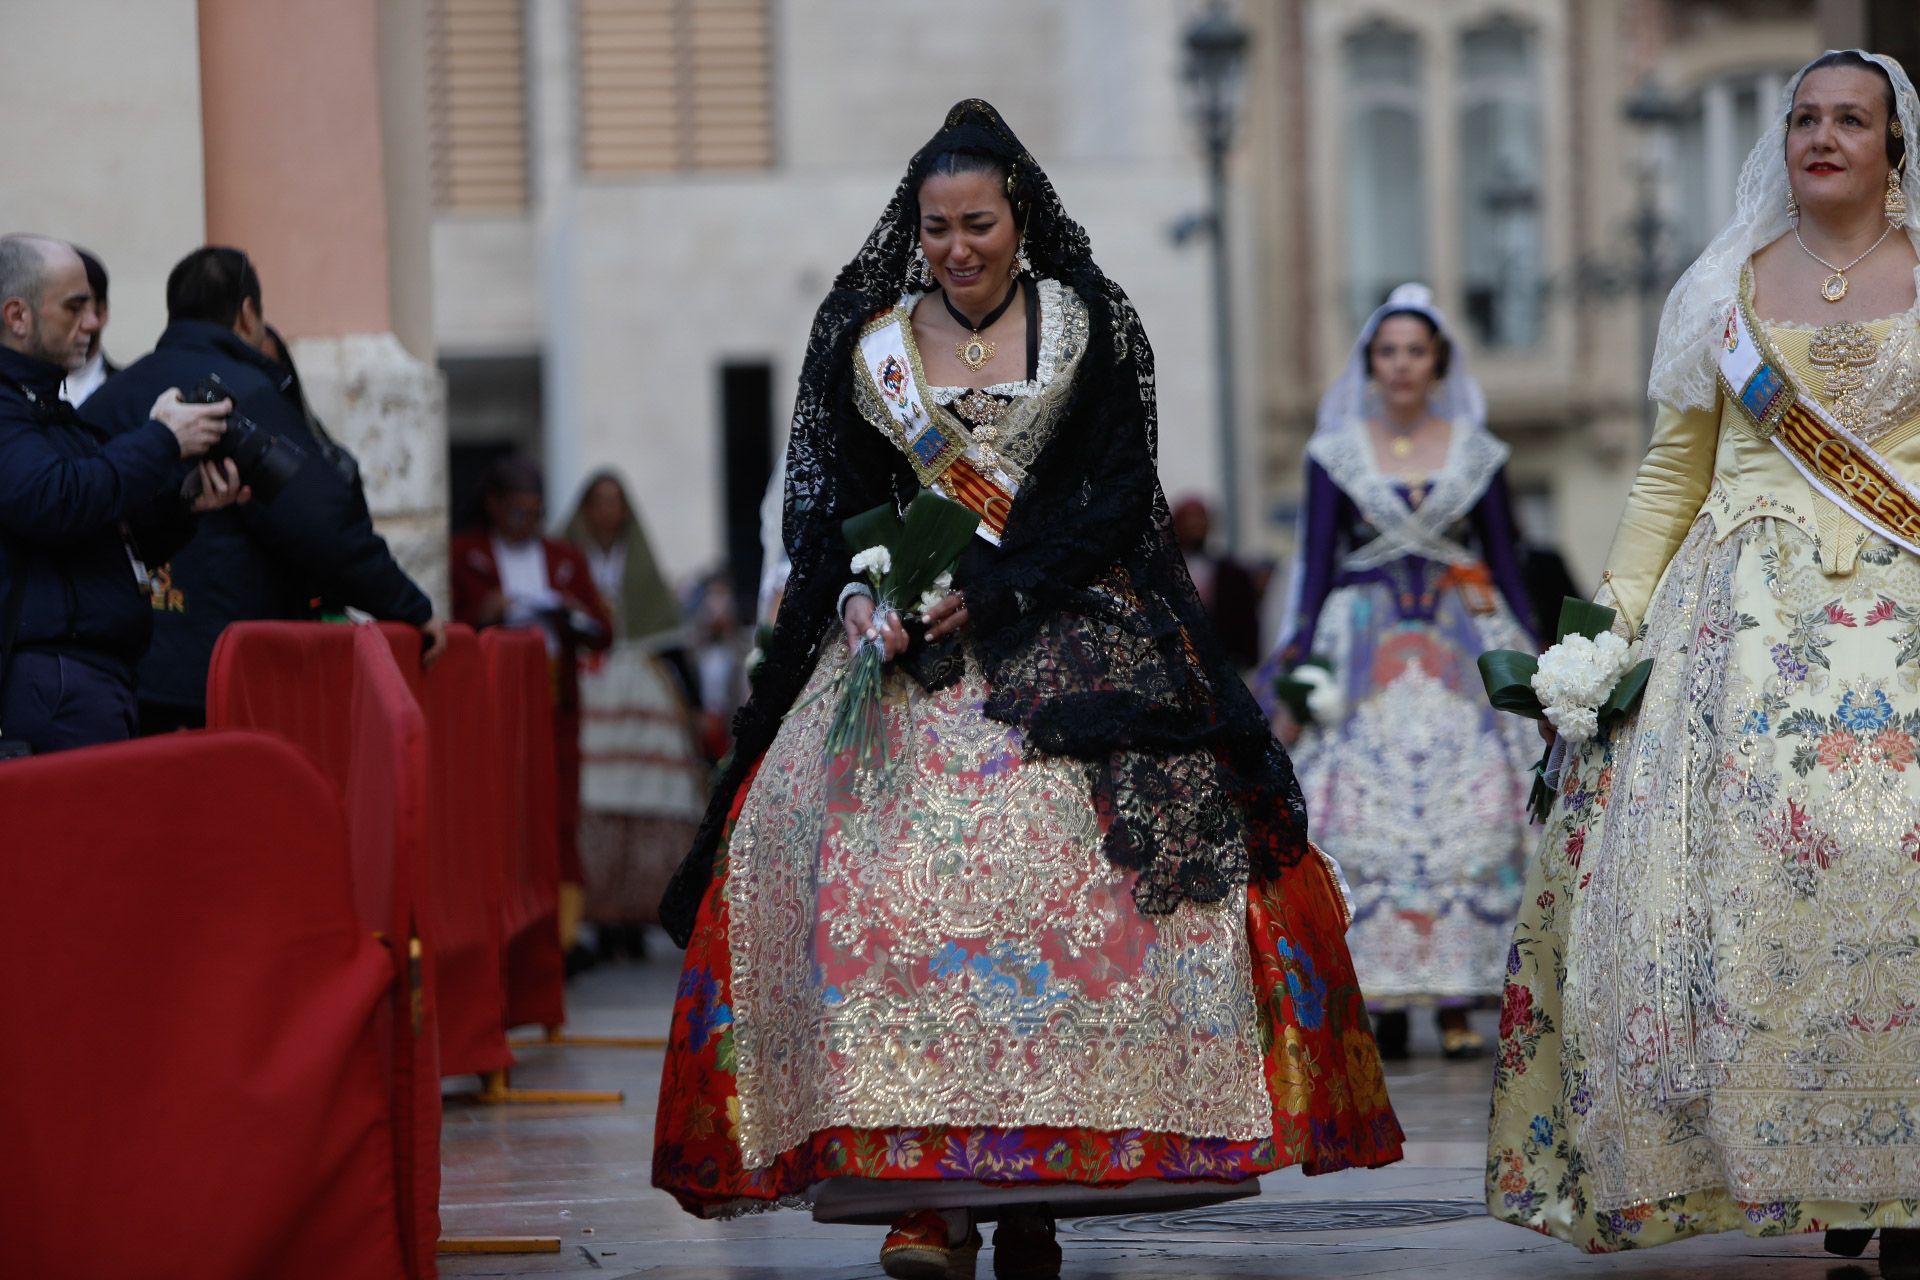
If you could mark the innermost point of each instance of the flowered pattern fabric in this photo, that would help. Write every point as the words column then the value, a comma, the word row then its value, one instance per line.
column 1420, row 792
column 956, row 946
column 1709, row 1018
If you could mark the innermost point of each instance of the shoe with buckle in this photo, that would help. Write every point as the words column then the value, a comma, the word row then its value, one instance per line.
column 918, row 1248
column 1024, row 1247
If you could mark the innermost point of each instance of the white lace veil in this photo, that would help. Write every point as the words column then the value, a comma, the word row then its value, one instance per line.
column 1352, row 400
column 1696, row 310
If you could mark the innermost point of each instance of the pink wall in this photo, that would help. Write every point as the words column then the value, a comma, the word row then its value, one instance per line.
column 290, row 113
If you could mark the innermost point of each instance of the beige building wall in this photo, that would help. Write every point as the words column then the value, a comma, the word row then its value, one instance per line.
column 102, row 144
column 637, row 290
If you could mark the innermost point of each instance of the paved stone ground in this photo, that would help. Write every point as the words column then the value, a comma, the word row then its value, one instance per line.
column 581, row 1173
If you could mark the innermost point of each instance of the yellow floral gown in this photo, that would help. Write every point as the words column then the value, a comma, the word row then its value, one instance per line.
column 1709, row 1022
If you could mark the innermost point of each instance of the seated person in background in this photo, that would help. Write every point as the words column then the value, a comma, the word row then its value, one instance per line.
column 508, row 573
column 276, row 558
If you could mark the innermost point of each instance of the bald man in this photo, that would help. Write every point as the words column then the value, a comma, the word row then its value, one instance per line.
column 79, row 513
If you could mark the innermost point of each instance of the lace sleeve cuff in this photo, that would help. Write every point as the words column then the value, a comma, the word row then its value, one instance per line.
column 848, row 592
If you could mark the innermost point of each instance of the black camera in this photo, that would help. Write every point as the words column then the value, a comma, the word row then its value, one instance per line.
column 266, row 462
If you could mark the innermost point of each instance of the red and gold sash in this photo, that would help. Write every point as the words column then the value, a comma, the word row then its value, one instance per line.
column 1835, row 461
column 935, row 441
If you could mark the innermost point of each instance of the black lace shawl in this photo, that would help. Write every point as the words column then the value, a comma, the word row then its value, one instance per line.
column 1093, row 640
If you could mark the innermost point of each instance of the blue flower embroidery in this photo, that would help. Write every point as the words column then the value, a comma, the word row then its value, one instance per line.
column 948, row 961
column 1754, row 723
column 1543, row 1131
column 1306, row 987
column 1867, row 716
column 708, row 1015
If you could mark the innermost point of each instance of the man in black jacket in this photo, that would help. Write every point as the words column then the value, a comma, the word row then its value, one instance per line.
column 78, row 511
column 270, row 559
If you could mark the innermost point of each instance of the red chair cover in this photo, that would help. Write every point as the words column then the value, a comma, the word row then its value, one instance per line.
column 335, row 692
column 463, row 915
column 195, row 1079
column 523, row 709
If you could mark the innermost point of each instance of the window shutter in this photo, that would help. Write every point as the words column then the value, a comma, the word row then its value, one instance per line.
column 478, row 105
column 674, row 85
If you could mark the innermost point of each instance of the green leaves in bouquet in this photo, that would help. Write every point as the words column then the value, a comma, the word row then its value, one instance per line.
column 1293, row 693
column 1508, row 677
column 1582, row 618
column 923, row 546
column 876, row 528
column 934, row 534
column 1627, row 692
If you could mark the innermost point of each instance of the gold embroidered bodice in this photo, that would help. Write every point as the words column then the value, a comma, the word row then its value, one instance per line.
column 1010, row 422
column 1710, row 461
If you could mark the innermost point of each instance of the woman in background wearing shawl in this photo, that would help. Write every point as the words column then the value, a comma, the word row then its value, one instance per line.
column 1406, row 572
column 641, row 783
column 1068, row 950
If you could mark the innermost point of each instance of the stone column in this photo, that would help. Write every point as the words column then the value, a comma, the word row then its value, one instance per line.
column 314, row 122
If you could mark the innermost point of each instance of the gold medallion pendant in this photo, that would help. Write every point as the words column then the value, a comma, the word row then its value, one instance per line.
column 974, row 352
column 1835, row 288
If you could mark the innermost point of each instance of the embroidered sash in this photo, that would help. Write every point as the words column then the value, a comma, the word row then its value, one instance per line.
column 1835, row 461
column 936, row 443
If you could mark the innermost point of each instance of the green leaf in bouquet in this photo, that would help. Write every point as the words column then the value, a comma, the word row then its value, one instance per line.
column 876, row 528
column 1508, row 676
column 1293, row 692
column 1627, row 692
column 1540, row 795
column 936, row 531
column 1582, row 617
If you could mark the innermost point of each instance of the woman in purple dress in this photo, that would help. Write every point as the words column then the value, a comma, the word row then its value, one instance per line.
column 1405, row 573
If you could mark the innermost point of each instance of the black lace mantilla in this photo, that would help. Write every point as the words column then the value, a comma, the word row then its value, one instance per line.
column 1093, row 640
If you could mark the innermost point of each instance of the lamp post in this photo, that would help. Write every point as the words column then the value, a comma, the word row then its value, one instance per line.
column 1216, row 45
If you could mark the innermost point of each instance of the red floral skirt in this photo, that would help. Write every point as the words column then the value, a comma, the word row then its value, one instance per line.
column 1322, row 1072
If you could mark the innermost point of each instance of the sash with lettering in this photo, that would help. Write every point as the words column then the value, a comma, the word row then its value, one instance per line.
column 936, row 442
column 1835, row 461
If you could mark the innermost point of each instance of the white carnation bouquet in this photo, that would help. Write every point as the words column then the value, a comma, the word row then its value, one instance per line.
column 904, row 558
column 1585, row 681
column 1311, row 692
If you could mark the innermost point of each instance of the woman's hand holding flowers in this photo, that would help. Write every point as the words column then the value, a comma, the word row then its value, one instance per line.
column 947, row 616
column 861, row 624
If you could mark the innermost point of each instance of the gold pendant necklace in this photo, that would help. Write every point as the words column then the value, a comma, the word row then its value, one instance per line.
column 1402, row 446
column 1836, row 286
column 976, row 350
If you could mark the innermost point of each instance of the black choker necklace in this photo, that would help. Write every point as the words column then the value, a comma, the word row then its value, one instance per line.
column 976, row 350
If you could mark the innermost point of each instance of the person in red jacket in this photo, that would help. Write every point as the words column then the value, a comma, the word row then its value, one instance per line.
column 508, row 573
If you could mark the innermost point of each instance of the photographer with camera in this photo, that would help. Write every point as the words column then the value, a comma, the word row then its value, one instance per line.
column 306, row 536
column 79, row 512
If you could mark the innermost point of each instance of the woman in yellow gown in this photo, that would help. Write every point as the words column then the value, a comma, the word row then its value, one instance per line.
column 1710, row 1019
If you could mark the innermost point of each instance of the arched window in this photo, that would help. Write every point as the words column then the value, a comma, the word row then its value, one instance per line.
column 1500, row 163
column 1386, row 223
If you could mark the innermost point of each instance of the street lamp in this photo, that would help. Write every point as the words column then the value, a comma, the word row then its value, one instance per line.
column 1216, row 45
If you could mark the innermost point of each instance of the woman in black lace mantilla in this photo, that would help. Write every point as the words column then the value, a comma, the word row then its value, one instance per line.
column 1070, row 943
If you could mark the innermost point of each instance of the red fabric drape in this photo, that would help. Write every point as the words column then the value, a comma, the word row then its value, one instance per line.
column 335, row 692
column 195, row 1079
column 523, row 713
column 463, row 915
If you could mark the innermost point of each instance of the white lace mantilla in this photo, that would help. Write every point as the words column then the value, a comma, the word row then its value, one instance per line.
column 1473, row 458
